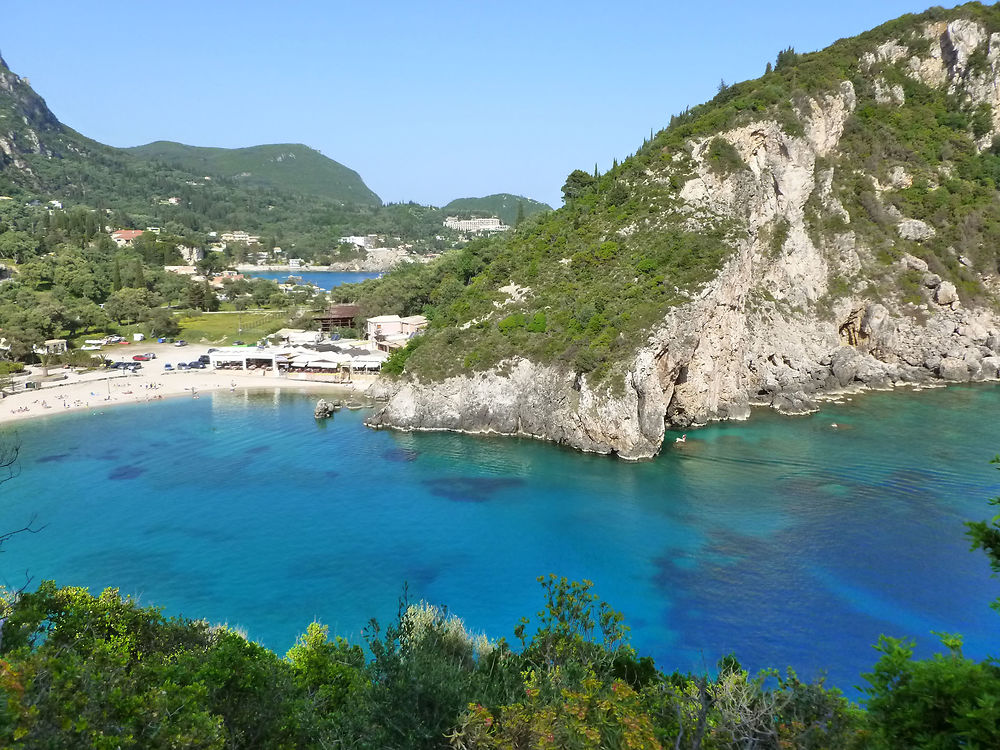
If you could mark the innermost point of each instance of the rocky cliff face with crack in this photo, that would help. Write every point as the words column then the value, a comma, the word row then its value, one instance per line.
column 830, row 285
column 26, row 125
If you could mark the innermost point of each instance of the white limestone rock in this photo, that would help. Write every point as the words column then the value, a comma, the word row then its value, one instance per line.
column 915, row 229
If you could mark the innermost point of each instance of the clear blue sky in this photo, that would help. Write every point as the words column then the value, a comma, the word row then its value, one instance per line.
column 428, row 101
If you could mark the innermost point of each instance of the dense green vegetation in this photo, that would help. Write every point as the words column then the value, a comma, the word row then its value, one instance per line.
column 512, row 209
column 291, row 167
column 596, row 275
column 103, row 672
column 70, row 280
column 618, row 290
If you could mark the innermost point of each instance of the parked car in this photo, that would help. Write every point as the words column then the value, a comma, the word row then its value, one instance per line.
column 167, row 366
column 204, row 359
column 180, row 342
column 141, row 357
column 196, row 365
column 239, row 343
column 181, row 366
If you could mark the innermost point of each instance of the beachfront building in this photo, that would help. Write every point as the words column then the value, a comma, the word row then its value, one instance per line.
column 54, row 346
column 294, row 360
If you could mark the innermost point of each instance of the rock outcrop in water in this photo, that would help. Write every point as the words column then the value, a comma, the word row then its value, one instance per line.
column 324, row 409
column 817, row 297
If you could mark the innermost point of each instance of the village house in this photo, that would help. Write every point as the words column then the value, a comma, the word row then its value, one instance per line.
column 125, row 237
column 477, row 225
column 238, row 235
column 391, row 332
column 222, row 277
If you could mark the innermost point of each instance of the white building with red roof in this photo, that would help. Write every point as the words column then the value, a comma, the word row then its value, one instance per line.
column 125, row 237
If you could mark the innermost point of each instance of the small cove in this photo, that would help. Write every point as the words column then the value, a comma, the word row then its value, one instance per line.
column 323, row 279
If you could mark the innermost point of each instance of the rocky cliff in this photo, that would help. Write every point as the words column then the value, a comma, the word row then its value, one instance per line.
column 830, row 285
column 25, row 121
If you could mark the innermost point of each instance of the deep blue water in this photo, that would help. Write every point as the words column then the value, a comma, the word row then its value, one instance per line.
column 323, row 279
column 784, row 540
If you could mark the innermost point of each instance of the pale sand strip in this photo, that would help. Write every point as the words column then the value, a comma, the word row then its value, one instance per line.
column 94, row 391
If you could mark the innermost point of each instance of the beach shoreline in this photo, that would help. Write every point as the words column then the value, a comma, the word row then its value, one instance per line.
column 97, row 389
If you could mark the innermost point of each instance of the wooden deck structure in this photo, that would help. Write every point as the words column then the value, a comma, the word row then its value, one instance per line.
column 337, row 316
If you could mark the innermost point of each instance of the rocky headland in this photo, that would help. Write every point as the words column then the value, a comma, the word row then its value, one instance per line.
column 810, row 302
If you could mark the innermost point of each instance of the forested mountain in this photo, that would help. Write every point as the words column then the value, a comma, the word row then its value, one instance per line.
column 42, row 159
column 504, row 205
column 832, row 224
column 292, row 167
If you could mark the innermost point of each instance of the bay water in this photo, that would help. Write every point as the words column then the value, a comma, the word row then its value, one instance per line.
column 787, row 541
column 323, row 279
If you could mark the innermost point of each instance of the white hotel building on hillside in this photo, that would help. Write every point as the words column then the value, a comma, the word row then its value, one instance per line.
column 492, row 224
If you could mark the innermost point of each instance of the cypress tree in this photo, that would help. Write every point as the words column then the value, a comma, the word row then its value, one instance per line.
column 116, row 276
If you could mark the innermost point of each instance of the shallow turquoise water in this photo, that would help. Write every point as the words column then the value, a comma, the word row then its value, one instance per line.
column 323, row 279
column 781, row 539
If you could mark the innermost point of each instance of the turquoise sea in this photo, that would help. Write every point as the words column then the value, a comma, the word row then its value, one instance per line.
column 784, row 540
column 323, row 279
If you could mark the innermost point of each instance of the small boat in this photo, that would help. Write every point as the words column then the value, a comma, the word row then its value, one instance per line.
column 682, row 439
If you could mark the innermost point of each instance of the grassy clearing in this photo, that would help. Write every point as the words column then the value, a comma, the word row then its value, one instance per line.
column 224, row 328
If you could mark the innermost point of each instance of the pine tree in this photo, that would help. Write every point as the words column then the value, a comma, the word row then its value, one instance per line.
column 138, row 278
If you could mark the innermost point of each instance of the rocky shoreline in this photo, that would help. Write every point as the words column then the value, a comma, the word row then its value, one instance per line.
column 376, row 261
column 530, row 400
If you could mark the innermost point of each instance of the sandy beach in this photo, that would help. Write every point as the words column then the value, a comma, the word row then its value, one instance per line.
column 99, row 389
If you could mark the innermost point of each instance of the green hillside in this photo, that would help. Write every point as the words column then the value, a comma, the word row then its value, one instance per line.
column 292, row 167
column 504, row 205
column 605, row 269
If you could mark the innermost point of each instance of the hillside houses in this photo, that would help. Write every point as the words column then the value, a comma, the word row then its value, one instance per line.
column 391, row 332
column 238, row 235
column 476, row 225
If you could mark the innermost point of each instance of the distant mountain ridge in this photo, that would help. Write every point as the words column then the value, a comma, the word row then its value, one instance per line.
column 40, row 156
column 292, row 167
column 503, row 205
